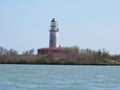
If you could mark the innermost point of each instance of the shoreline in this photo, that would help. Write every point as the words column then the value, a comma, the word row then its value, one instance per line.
column 61, row 64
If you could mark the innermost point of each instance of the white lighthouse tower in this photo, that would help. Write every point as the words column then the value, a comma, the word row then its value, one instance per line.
column 53, row 42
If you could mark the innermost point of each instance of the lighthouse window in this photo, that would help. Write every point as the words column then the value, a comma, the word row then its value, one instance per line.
column 53, row 24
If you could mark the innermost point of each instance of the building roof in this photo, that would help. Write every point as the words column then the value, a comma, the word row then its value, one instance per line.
column 51, row 48
column 53, row 20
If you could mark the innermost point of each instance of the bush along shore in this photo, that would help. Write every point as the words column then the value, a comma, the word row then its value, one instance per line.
column 69, row 56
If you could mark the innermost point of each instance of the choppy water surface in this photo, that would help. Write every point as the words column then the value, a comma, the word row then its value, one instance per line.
column 59, row 77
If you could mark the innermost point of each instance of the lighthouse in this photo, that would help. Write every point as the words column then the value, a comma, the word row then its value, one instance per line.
column 53, row 40
column 53, row 48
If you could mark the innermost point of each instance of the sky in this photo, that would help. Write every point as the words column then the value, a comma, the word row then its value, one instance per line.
column 93, row 24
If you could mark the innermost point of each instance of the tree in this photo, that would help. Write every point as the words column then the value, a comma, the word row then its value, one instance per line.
column 1, row 50
column 29, row 52
column 12, row 52
column 73, row 49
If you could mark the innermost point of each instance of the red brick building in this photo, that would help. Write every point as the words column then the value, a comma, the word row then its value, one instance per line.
column 49, row 50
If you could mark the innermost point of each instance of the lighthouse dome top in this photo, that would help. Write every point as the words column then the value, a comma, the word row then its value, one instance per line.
column 53, row 20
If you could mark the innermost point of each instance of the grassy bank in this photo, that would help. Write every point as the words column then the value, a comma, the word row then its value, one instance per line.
column 69, row 56
column 61, row 59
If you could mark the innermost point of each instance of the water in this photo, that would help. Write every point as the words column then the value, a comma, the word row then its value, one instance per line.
column 59, row 77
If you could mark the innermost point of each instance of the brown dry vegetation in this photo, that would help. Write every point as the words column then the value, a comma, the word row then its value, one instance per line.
column 69, row 56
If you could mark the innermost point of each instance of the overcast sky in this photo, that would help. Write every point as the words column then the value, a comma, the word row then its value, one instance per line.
column 94, row 24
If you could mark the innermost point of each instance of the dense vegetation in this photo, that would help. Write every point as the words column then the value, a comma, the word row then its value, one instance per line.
column 70, row 55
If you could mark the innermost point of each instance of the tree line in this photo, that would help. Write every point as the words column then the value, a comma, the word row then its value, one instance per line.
column 69, row 55
column 4, row 51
